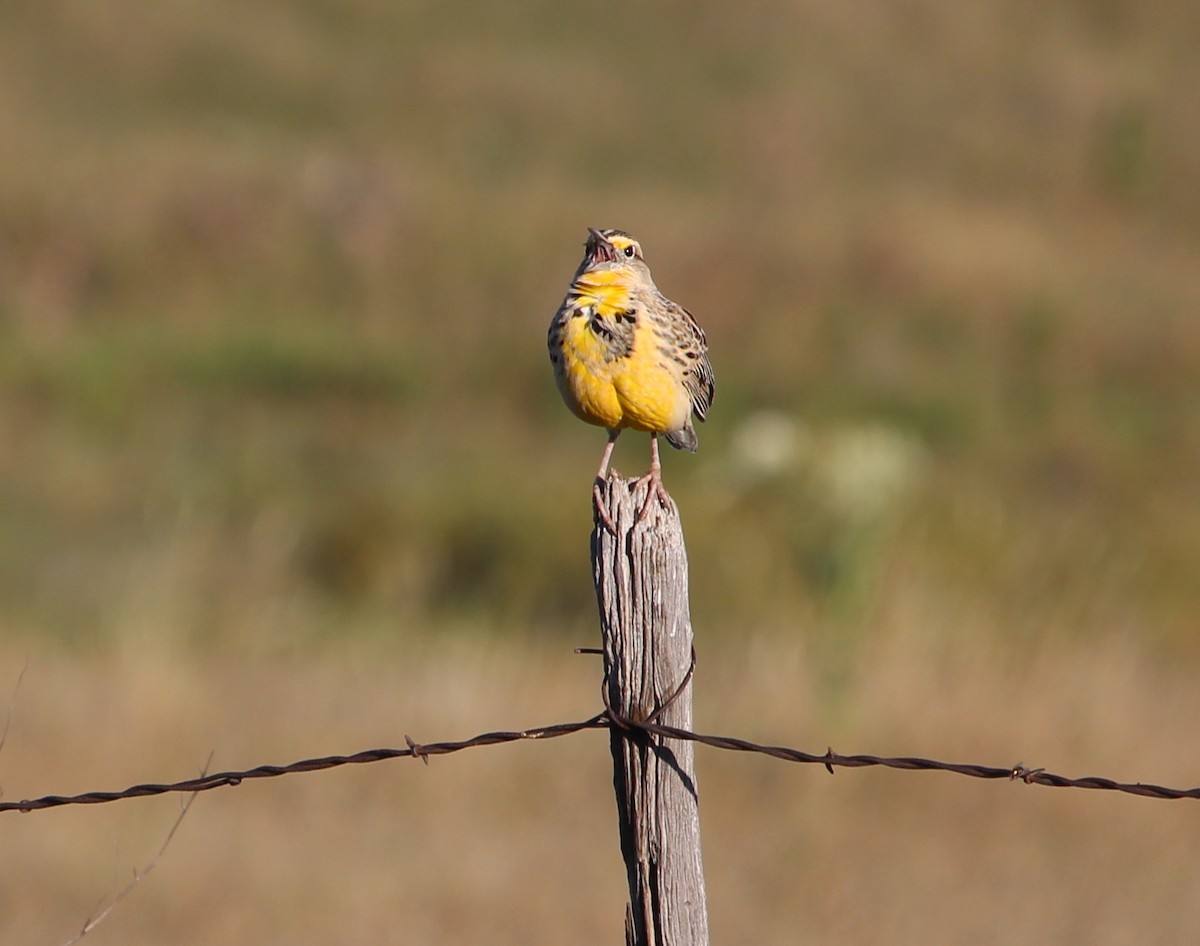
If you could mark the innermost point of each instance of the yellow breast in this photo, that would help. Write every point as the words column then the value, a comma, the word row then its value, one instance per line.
column 584, row 378
column 628, row 384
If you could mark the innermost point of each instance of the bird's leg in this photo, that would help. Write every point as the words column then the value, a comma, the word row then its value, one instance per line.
column 654, row 478
column 601, row 509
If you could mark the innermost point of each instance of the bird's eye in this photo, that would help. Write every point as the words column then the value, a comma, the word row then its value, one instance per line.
column 630, row 251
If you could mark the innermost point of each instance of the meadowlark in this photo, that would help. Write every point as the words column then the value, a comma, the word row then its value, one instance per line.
column 626, row 356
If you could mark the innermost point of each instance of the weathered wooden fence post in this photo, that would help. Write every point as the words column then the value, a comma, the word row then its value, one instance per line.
column 641, row 587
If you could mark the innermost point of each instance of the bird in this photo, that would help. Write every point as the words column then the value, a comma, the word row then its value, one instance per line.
column 627, row 357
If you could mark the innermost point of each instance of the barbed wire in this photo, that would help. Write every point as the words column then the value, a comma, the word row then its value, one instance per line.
column 606, row 720
column 208, row 782
column 1030, row 776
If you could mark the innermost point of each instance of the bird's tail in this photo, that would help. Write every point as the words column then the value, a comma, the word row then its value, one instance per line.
column 685, row 438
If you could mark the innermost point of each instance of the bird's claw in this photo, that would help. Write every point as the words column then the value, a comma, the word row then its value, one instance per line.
column 656, row 490
column 601, row 508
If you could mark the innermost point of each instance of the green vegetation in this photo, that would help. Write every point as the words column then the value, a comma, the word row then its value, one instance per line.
column 274, row 280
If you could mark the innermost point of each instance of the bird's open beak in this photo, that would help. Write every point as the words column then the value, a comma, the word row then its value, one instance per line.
column 599, row 250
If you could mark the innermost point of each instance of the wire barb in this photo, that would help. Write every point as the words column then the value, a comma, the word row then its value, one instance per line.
column 417, row 751
column 1026, row 775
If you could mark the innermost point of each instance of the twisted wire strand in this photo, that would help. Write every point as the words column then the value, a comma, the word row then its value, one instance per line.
column 606, row 720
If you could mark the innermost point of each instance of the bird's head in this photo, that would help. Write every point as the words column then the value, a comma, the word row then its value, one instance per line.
column 613, row 250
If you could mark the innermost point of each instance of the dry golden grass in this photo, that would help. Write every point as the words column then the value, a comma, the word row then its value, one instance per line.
column 518, row 844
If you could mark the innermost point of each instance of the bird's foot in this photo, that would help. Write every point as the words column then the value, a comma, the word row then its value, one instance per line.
column 656, row 491
column 601, row 508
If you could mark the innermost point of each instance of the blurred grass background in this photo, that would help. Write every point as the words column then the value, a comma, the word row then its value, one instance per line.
column 275, row 413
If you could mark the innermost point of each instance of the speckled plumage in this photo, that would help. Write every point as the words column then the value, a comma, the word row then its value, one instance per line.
column 625, row 356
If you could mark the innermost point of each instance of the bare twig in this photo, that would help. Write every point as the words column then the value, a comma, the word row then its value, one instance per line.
column 138, row 875
column 12, row 703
